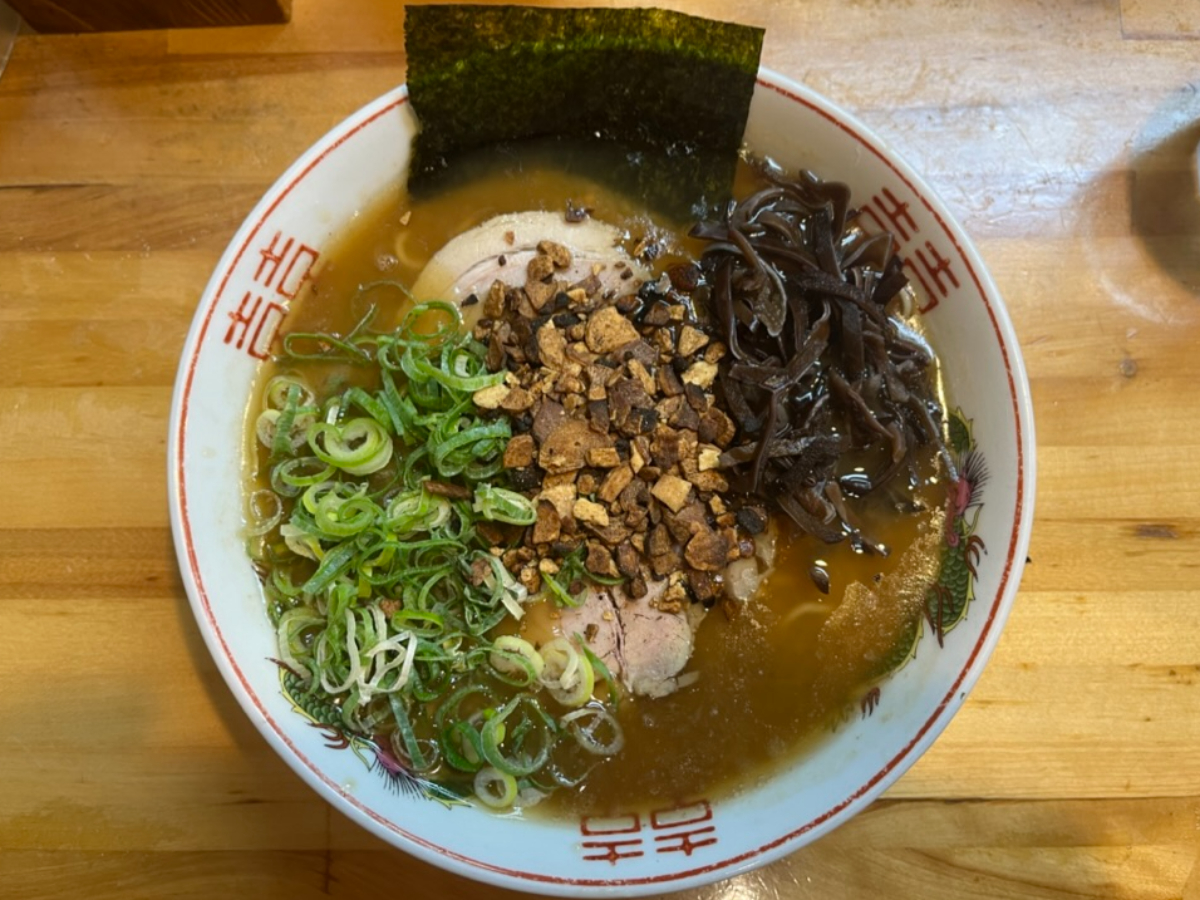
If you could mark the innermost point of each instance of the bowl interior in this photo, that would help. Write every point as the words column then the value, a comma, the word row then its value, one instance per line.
column 268, row 263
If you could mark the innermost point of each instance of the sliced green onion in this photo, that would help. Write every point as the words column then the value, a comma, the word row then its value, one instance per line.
column 417, row 510
column 276, row 393
column 290, row 631
column 451, row 456
column 505, row 588
column 281, row 581
column 495, row 788
column 515, row 661
column 559, row 592
column 595, row 729
column 521, row 762
column 599, row 666
column 446, row 329
column 300, row 345
column 299, row 471
column 342, row 517
column 282, row 433
column 372, row 406
column 567, row 674
column 375, row 584
column 292, row 423
column 420, row 622
column 463, row 374
column 503, row 505
column 301, row 542
column 265, row 511
column 359, row 447
column 412, row 746
column 334, row 564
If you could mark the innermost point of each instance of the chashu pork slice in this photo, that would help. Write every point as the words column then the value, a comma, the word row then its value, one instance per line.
column 645, row 648
column 500, row 250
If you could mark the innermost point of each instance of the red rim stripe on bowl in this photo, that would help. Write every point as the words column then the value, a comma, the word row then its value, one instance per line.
column 875, row 784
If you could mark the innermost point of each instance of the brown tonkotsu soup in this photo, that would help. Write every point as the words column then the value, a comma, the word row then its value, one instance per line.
column 774, row 673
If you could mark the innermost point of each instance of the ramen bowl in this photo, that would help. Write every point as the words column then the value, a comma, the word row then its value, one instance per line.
column 707, row 836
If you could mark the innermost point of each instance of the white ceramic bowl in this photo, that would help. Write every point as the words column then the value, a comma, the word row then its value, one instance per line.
column 641, row 853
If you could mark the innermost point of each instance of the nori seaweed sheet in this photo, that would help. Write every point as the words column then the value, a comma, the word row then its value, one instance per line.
column 674, row 84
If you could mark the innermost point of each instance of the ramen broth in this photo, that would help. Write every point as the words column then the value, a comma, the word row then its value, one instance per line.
column 767, row 684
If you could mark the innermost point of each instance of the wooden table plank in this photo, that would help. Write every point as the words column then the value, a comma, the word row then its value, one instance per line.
column 73, row 16
column 62, row 286
column 1160, row 19
column 50, row 875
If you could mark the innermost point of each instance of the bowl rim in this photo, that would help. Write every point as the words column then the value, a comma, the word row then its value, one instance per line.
column 1022, row 411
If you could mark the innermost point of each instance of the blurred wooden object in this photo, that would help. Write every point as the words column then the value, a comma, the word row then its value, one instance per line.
column 10, row 27
column 1063, row 137
column 69, row 16
column 1164, row 19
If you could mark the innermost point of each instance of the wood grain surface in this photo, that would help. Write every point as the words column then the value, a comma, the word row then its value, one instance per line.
column 74, row 16
column 1063, row 135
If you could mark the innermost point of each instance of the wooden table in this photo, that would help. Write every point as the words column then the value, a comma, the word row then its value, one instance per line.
column 1062, row 134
